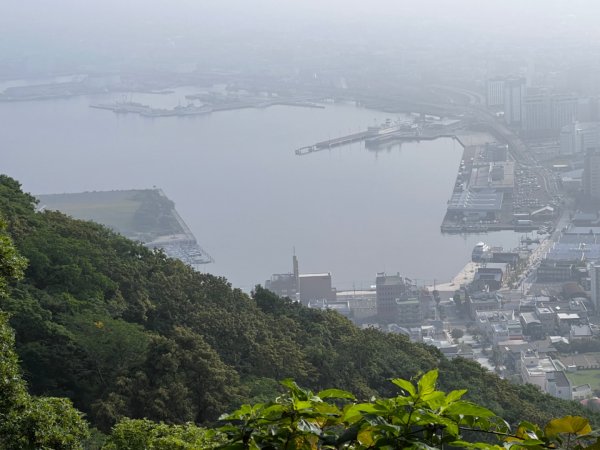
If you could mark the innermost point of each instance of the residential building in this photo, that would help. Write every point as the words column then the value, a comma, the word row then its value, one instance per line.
column 579, row 393
column 563, row 110
column 558, row 385
column 389, row 290
column 579, row 137
column 537, row 118
column 514, row 91
column 595, row 281
column 591, row 173
column 532, row 326
column 495, row 92
column 534, row 368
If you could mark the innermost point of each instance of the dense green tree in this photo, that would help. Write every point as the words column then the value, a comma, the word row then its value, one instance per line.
column 124, row 331
column 32, row 422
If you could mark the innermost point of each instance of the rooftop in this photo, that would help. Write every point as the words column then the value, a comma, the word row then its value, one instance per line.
column 485, row 200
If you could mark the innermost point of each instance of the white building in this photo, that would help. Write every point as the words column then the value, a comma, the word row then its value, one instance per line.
column 534, row 369
column 564, row 110
column 537, row 113
column 514, row 91
column 495, row 92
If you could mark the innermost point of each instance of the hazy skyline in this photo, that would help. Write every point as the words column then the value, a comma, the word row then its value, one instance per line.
column 68, row 33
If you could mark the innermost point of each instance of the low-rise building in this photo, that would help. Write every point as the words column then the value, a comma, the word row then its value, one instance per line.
column 483, row 301
column 554, row 271
column 580, row 333
column 566, row 320
column 581, row 392
column 534, row 368
column 532, row 326
column 558, row 385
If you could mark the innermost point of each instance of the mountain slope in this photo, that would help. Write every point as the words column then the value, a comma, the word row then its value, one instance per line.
column 124, row 331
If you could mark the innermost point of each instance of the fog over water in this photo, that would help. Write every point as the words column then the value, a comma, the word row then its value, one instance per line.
column 248, row 199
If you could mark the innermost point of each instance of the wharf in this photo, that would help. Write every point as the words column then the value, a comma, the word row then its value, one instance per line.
column 464, row 277
column 486, row 218
column 331, row 143
column 388, row 132
column 376, row 141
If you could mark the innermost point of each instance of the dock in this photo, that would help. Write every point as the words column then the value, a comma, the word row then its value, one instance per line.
column 336, row 142
column 389, row 132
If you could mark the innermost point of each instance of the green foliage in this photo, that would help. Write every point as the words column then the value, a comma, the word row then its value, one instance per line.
column 127, row 332
column 457, row 333
column 420, row 417
column 146, row 435
column 12, row 265
column 33, row 422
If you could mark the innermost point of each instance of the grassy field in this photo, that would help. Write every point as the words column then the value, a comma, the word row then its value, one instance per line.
column 591, row 377
column 133, row 213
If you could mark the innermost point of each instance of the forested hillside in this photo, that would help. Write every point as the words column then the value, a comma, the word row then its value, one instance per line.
column 125, row 331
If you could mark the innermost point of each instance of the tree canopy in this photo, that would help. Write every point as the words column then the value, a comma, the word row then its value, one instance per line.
column 125, row 332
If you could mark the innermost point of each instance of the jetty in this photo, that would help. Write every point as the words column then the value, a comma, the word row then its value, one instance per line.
column 405, row 130
column 336, row 142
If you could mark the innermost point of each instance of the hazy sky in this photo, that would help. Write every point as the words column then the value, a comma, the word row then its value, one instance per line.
column 79, row 18
column 93, row 31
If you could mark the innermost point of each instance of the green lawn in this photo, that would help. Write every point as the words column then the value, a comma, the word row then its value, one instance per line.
column 591, row 377
column 113, row 208
column 137, row 214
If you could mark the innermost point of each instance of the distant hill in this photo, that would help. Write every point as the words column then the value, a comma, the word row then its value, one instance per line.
column 126, row 331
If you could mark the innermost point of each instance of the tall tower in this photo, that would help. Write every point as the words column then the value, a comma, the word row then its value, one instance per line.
column 296, row 271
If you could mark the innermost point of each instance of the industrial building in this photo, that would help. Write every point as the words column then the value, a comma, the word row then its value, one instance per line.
column 315, row 286
column 499, row 176
column 483, row 204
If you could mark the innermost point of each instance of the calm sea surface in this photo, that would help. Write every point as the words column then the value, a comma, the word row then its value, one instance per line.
column 248, row 199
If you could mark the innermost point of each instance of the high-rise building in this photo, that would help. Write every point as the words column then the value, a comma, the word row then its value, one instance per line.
column 594, row 270
column 514, row 91
column 495, row 92
column 564, row 110
column 545, row 114
column 537, row 118
column 579, row 137
column 591, row 173
column 587, row 109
